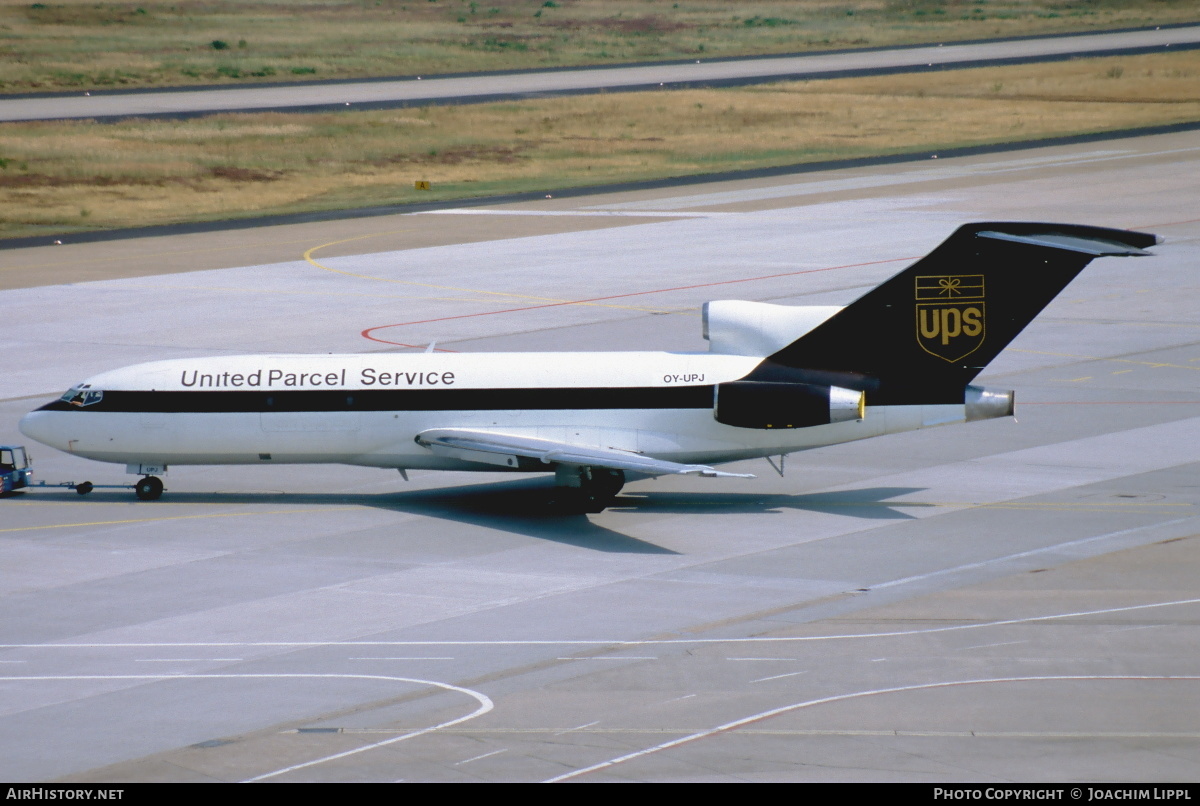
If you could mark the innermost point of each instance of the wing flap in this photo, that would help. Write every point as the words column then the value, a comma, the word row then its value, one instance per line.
column 496, row 448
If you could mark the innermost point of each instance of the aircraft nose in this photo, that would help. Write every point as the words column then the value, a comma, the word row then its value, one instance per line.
column 38, row 425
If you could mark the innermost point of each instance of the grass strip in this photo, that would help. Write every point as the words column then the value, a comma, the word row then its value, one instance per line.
column 75, row 176
column 85, row 45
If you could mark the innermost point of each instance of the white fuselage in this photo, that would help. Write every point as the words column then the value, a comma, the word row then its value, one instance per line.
column 367, row 409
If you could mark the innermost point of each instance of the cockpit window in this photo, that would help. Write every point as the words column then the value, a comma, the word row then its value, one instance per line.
column 82, row 395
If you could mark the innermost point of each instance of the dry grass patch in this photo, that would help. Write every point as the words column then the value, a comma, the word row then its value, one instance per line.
column 83, row 44
column 79, row 175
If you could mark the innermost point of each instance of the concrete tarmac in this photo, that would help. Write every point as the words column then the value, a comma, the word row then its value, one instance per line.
column 1010, row 600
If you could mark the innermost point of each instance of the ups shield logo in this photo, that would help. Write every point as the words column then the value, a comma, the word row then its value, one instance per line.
column 950, row 315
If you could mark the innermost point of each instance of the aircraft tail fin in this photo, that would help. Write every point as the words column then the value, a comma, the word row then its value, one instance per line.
column 923, row 335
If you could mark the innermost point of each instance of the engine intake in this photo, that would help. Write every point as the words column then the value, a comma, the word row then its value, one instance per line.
column 739, row 327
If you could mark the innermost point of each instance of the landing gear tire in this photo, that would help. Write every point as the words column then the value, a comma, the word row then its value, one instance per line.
column 598, row 486
column 84, row 488
column 149, row 489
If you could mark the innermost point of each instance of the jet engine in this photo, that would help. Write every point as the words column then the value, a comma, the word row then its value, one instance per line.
column 757, row 404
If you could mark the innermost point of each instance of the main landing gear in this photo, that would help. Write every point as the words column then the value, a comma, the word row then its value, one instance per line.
column 150, row 488
column 586, row 489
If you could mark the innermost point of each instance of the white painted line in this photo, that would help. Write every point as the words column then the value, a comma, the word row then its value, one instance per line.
column 664, row 731
column 485, row 755
column 760, row 659
column 728, row 726
column 616, row 643
column 183, row 660
column 403, row 658
column 684, row 697
column 617, row 657
column 1002, row 643
column 1021, row 554
column 578, row 727
column 778, row 676
column 485, row 704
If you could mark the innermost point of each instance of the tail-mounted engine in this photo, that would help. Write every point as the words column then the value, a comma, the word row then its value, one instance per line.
column 758, row 404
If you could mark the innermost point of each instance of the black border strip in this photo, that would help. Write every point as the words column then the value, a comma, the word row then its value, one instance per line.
column 398, row 400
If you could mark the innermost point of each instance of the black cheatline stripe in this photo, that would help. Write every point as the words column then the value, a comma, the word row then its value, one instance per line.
column 669, row 397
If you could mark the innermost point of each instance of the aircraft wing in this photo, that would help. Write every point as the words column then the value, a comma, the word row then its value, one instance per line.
column 496, row 448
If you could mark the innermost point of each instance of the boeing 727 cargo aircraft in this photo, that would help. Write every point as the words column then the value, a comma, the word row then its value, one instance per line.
column 777, row 379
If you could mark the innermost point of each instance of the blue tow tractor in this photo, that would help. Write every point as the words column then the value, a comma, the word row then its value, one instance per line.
column 16, row 473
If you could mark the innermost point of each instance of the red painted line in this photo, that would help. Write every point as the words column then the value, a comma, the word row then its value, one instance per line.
column 366, row 334
column 1167, row 224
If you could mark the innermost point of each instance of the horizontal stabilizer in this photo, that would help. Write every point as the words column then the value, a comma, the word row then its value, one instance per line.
column 1096, row 247
column 461, row 443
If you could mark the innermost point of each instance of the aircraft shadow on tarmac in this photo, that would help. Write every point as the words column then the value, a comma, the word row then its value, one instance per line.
column 870, row 502
column 525, row 507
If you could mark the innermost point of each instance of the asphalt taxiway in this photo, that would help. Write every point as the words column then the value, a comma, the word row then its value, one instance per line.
column 1010, row 600
column 389, row 93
